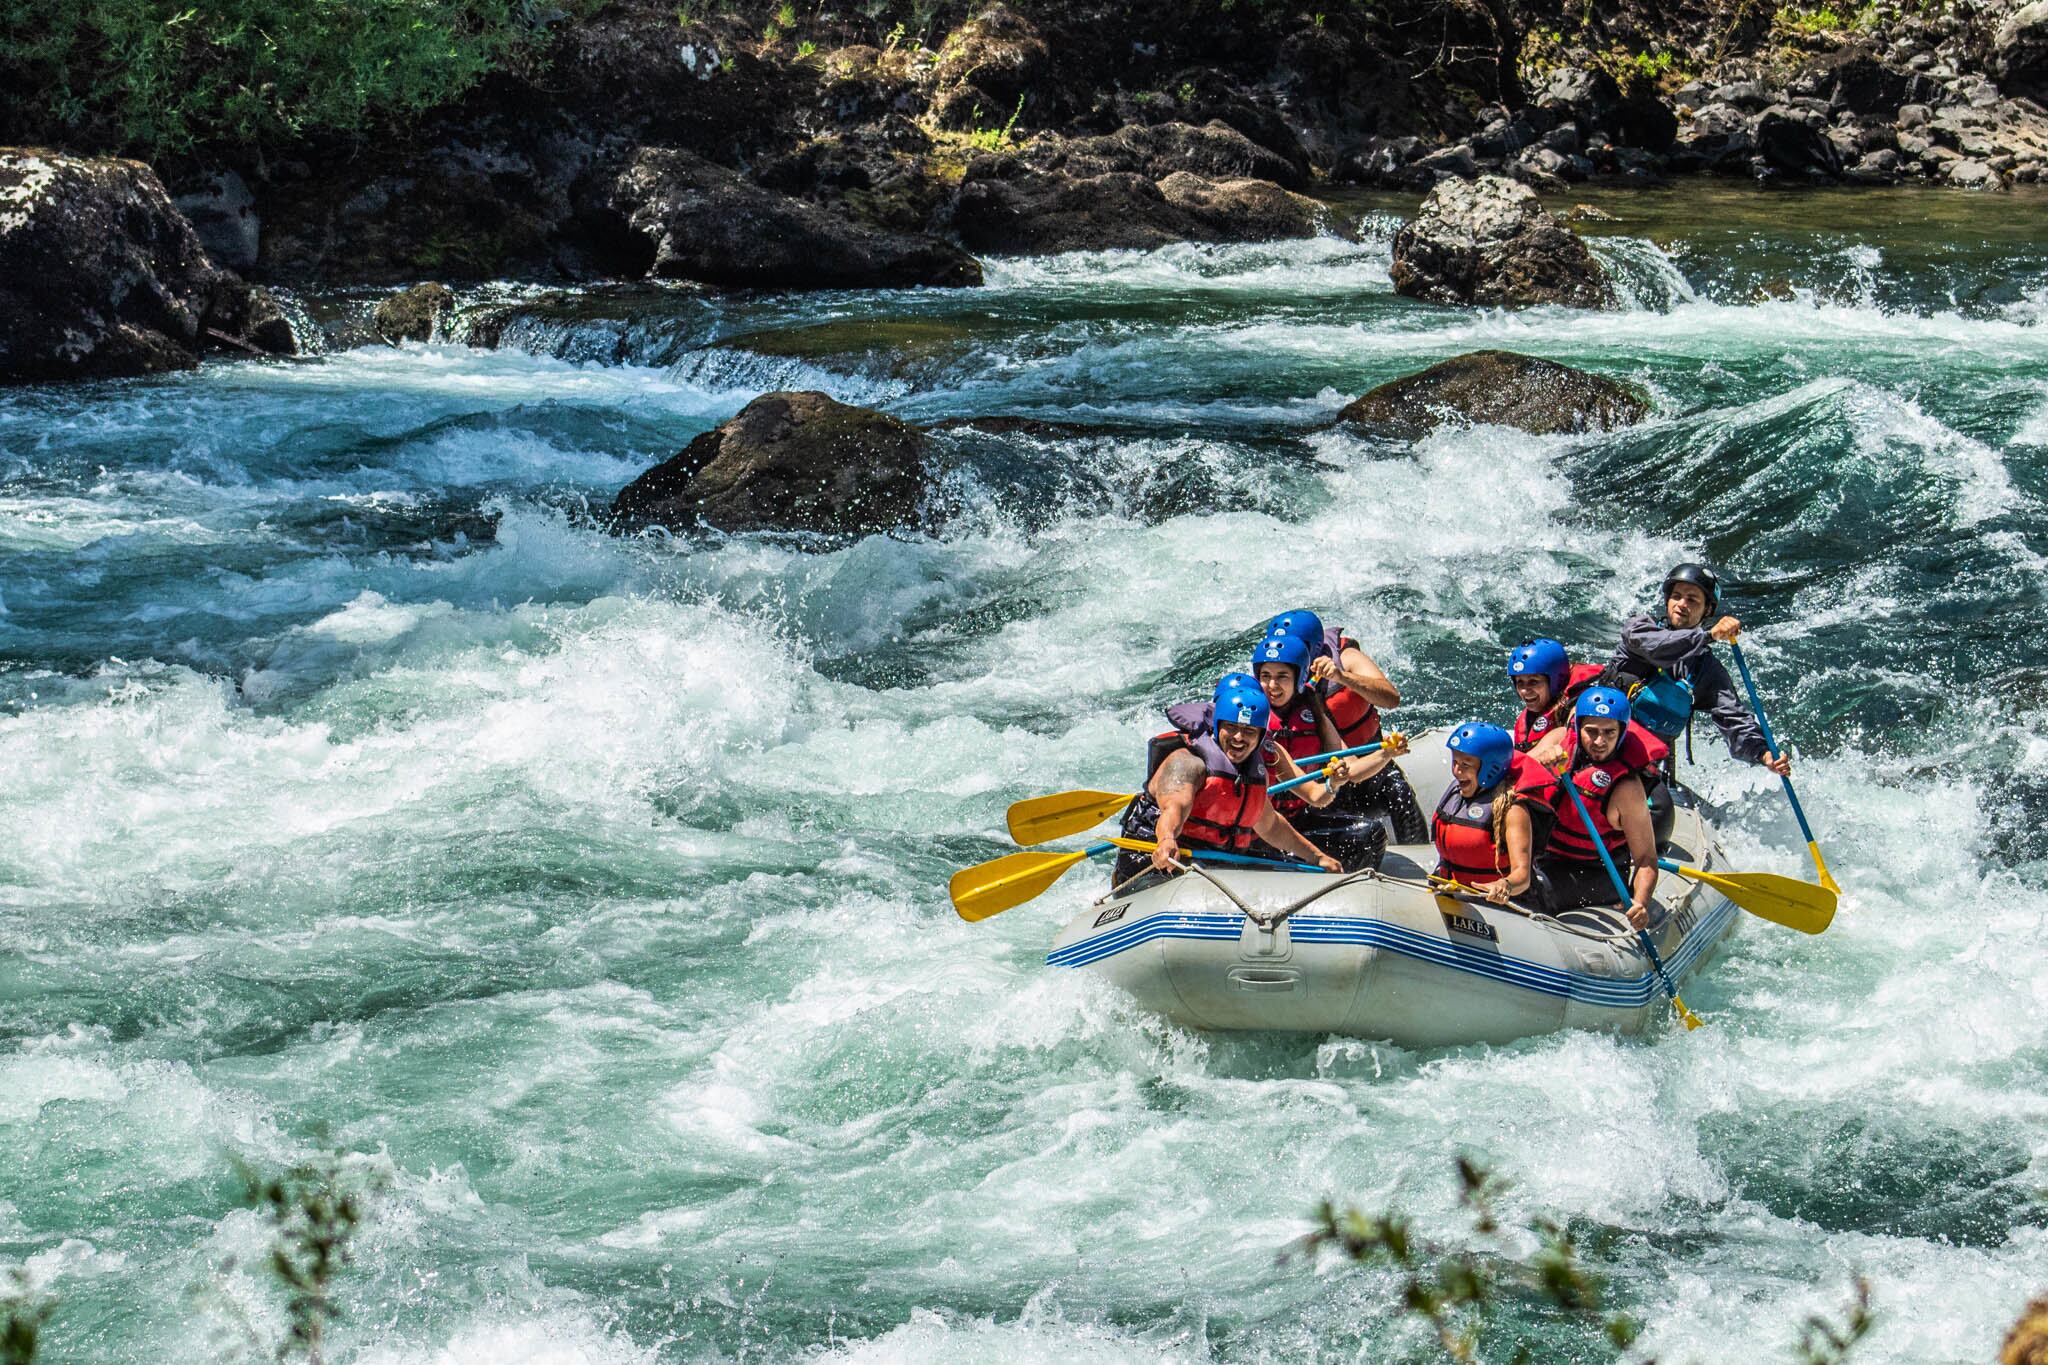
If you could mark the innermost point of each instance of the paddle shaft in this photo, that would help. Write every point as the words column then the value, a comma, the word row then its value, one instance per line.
column 1756, row 705
column 1213, row 856
column 1621, row 889
column 1334, row 754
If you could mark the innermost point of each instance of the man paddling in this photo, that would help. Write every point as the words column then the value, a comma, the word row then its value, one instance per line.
column 1208, row 790
column 1669, row 670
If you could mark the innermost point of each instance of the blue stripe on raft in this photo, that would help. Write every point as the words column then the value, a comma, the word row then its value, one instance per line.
column 1611, row 992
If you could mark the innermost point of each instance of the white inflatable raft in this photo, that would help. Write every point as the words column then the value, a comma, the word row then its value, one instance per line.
column 1366, row 956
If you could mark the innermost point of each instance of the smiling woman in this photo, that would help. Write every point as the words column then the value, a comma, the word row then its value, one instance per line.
column 362, row 792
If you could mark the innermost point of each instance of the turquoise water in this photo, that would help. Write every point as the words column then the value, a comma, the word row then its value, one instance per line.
column 358, row 793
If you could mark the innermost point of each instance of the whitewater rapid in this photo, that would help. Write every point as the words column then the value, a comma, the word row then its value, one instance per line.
column 361, row 793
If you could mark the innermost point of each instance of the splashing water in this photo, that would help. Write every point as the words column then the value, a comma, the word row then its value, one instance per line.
column 361, row 793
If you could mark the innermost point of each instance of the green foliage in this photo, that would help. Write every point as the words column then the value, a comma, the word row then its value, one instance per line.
column 992, row 139
column 23, row 1312
column 806, row 49
column 1816, row 21
column 160, row 76
column 315, row 1209
column 1457, row 1292
column 1821, row 1342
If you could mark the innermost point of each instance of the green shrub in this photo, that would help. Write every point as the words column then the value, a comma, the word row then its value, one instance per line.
column 154, row 76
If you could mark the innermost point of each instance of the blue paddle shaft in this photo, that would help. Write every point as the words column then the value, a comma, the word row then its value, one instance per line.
column 1614, row 874
column 1294, row 782
column 1756, row 705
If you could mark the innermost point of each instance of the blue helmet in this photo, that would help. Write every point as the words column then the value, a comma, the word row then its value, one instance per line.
column 1603, row 703
column 1304, row 626
column 1243, row 682
column 1491, row 745
column 1546, row 657
column 1284, row 649
column 1234, row 705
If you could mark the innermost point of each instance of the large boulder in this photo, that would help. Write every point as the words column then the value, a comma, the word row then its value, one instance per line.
column 787, row 462
column 1006, row 206
column 1793, row 146
column 1499, row 388
column 100, row 276
column 986, row 66
column 2019, row 51
column 703, row 222
column 1488, row 241
column 1859, row 81
column 415, row 314
column 1216, row 151
column 1716, row 136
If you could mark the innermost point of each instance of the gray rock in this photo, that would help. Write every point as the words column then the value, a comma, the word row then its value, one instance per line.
column 1914, row 146
column 415, row 314
column 1155, row 151
column 1914, row 115
column 1006, row 206
column 703, row 222
column 1563, row 139
column 1499, row 388
column 100, row 276
column 1789, row 145
column 1587, row 96
column 223, row 213
column 1876, row 168
column 787, row 462
column 1972, row 175
column 2019, row 51
column 1748, row 95
column 1488, row 241
column 1717, row 134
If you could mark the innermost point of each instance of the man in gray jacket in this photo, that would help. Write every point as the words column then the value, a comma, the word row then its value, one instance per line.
column 1681, row 648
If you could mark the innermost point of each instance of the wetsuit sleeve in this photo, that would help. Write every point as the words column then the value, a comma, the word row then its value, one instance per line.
column 1713, row 691
column 1644, row 639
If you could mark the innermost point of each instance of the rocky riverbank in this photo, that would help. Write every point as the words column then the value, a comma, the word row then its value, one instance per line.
column 739, row 146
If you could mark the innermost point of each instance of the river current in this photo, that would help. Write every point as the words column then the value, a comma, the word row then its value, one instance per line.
column 357, row 792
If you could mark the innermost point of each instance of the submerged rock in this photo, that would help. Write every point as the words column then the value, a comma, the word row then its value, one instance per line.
column 414, row 315
column 1499, row 388
column 1488, row 241
column 787, row 462
column 703, row 222
column 100, row 276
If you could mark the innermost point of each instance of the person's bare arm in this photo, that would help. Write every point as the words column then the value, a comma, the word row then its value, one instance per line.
column 1521, row 836
column 1356, row 670
column 1285, row 769
column 1174, row 786
column 1272, row 826
column 1629, row 812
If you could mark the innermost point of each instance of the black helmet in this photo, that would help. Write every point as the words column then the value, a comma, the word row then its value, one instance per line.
column 1701, row 577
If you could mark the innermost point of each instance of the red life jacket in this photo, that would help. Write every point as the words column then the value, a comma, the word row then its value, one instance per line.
column 1357, row 720
column 1639, row 752
column 1294, row 731
column 1227, row 807
column 1463, row 827
column 1532, row 726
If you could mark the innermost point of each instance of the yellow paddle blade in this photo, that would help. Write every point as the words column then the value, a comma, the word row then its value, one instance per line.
column 1781, row 900
column 1044, row 818
column 1821, row 865
column 1685, row 1016
column 992, row 887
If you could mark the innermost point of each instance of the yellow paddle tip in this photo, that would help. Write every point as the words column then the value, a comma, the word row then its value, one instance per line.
column 1685, row 1016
